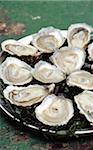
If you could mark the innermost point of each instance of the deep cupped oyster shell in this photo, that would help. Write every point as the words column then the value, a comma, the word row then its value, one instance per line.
column 14, row 47
column 15, row 72
column 79, row 35
column 48, row 39
column 68, row 59
column 47, row 73
column 55, row 110
column 84, row 103
column 82, row 79
column 26, row 96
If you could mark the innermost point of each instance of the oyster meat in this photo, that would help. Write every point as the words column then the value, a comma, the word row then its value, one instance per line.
column 68, row 59
column 15, row 72
column 79, row 35
column 47, row 73
column 55, row 110
column 82, row 79
column 90, row 52
column 84, row 103
column 48, row 39
column 14, row 47
column 25, row 96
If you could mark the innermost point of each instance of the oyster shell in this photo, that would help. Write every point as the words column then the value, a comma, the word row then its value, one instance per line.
column 55, row 110
column 92, row 68
column 68, row 59
column 47, row 73
column 15, row 72
column 48, row 39
column 90, row 52
column 79, row 35
column 82, row 79
column 25, row 96
column 84, row 103
column 14, row 47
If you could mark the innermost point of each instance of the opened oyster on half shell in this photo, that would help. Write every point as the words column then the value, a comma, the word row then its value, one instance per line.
column 14, row 47
column 78, row 35
column 84, row 103
column 69, row 59
column 47, row 73
column 26, row 96
column 82, row 79
column 15, row 72
column 48, row 39
column 55, row 110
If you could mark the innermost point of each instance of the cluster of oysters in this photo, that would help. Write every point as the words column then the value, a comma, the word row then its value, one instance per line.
column 64, row 64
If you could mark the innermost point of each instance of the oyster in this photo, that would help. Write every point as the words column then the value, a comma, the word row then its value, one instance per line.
column 48, row 39
column 79, row 35
column 68, row 59
column 47, row 73
column 14, row 47
column 55, row 110
column 90, row 51
column 82, row 79
column 25, row 96
column 15, row 72
column 84, row 103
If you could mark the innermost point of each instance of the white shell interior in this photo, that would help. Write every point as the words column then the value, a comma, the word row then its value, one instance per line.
column 47, row 73
column 15, row 72
column 84, row 103
column 55, row 110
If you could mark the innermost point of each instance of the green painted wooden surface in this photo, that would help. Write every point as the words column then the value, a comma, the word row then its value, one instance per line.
column 36, row 15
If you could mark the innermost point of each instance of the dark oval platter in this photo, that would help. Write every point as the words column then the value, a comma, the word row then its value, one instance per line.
column 78, row 126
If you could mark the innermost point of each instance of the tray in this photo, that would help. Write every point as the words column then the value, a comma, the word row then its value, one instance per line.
column 10, row 112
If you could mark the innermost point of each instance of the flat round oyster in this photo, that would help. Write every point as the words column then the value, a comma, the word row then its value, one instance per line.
column 55, row 110
column 48, row 39
column 68, row 59
column 15, row 72
column 90, row 52
column 84, row 103
column 25, row 96
column 82, row 79
column 47, row 73
column 14, row 47
column 79, row 35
